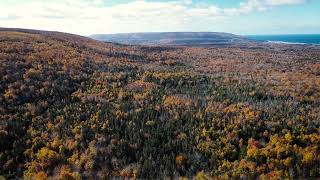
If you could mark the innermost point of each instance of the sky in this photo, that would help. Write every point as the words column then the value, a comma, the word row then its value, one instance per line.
column 86, row 17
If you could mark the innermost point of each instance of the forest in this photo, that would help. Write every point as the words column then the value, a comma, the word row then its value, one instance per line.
column 76, row 108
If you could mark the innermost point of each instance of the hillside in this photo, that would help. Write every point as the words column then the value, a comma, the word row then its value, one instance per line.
column 175, row 38
column 75, row 108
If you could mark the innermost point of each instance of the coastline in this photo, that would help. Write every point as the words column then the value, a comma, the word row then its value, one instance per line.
column 290, row 43
column 298, row 39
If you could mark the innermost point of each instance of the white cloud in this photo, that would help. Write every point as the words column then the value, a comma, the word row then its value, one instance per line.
column 284, row 2
column 246, row 7
column 90, row 16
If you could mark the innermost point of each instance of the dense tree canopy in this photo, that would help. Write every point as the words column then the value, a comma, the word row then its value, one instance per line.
column 75, row 108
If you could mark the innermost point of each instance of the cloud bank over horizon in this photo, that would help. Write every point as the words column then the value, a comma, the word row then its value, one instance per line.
column 87, row 17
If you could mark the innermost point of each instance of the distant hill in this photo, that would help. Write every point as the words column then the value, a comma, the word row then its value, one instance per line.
column 174, row 38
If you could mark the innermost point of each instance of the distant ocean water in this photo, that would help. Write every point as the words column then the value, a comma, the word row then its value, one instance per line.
column 288, row 39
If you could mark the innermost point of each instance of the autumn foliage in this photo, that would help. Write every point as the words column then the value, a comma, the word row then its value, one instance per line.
column 75, row 108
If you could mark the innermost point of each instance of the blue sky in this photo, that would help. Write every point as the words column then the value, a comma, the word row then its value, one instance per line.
column 87, row 17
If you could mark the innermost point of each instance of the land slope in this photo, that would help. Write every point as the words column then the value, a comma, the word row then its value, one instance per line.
column 175, row 38
column 72, row 107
